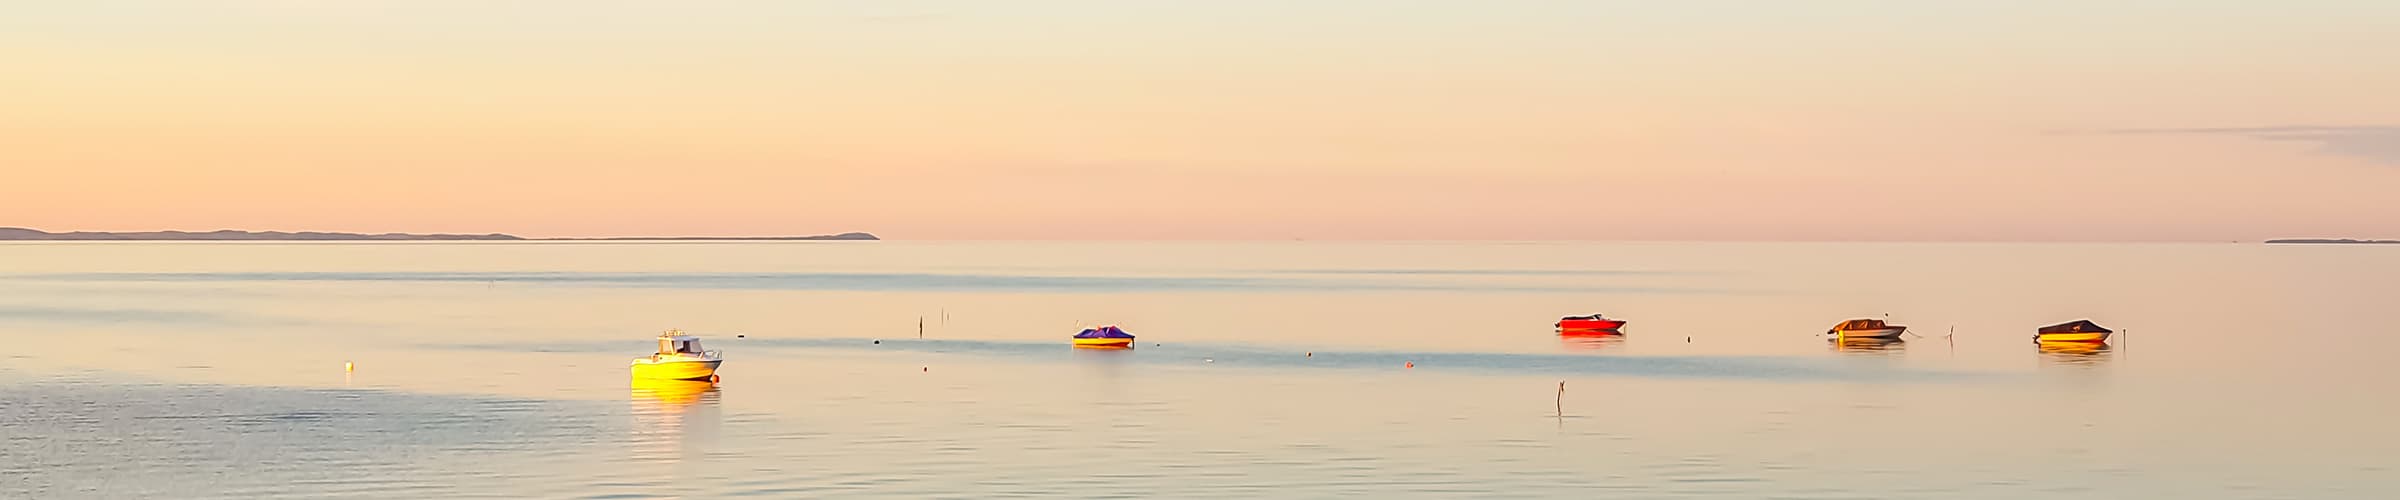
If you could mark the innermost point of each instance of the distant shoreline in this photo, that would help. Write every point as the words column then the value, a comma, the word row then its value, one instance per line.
column 820, row 237
column 24, row 234
column 2325, row 241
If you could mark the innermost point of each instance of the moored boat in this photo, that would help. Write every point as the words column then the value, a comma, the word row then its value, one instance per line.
column 1866, row 329
column 1595, row 321
column 679, row 357
column 2082, row 330
column 1107, row 336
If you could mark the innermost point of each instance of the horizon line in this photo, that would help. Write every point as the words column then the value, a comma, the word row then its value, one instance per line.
column 503, row 237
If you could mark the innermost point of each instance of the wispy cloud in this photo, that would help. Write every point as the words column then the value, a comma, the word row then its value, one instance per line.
column 2376, row 143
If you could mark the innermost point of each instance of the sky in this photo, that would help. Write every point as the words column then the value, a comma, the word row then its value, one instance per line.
column 2023, row 120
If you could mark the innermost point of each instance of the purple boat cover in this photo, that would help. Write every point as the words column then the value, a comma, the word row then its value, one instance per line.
column 1105, row 332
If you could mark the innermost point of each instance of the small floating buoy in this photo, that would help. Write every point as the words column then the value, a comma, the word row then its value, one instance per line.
column 878, row 342
column 1411, row 364
column 925, row 369
column 713, row 379
column 739, row 336
column 348, row 366
column 1311, row 355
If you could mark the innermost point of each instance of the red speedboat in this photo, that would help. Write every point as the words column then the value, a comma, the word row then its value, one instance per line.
column 1592, row 322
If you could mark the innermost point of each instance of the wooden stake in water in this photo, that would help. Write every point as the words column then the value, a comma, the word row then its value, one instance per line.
column 1562, row 399
column 920, row 327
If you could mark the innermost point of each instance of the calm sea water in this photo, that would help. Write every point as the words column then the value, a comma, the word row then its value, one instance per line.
column 1264, row 370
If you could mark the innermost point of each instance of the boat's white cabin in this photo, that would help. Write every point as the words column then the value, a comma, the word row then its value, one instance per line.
column 676, row 343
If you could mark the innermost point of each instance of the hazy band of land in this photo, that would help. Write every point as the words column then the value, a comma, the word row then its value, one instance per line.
column 24, row 234
column 2330, row 241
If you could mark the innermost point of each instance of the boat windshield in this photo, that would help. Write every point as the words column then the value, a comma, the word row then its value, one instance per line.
column 679, row 346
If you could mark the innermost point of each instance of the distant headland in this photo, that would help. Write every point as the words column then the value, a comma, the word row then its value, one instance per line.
column 23, row 234
column 819, row 237
column 2324, row 241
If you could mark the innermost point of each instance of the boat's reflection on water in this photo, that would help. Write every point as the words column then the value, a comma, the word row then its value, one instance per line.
column 2074, row 353
column 1104, row 358
column 1863, row 346
column 1591, row 340
column 672, row 416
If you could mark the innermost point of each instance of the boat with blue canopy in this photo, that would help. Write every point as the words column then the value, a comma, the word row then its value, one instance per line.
column 1104, row 336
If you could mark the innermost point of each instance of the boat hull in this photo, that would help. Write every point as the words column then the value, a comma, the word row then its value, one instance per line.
column 676, row 370
column 2081, row 337
column 1868, row 344
column 1607, row 332
column 2072, row 348
column 1103, row 342
column 1590, row 324
column 1878, row 333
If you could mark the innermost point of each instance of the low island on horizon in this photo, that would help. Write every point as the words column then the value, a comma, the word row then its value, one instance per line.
column 2330, row 241
column 24, row 234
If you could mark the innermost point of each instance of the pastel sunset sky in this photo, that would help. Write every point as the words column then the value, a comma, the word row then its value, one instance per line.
column 2031, row 120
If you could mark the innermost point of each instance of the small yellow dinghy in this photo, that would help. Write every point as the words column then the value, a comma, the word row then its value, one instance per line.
column 2080, row 331
column 679, row 357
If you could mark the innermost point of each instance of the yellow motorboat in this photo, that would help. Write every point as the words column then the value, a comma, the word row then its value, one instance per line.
column 2082, row 330
column 679, row 357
